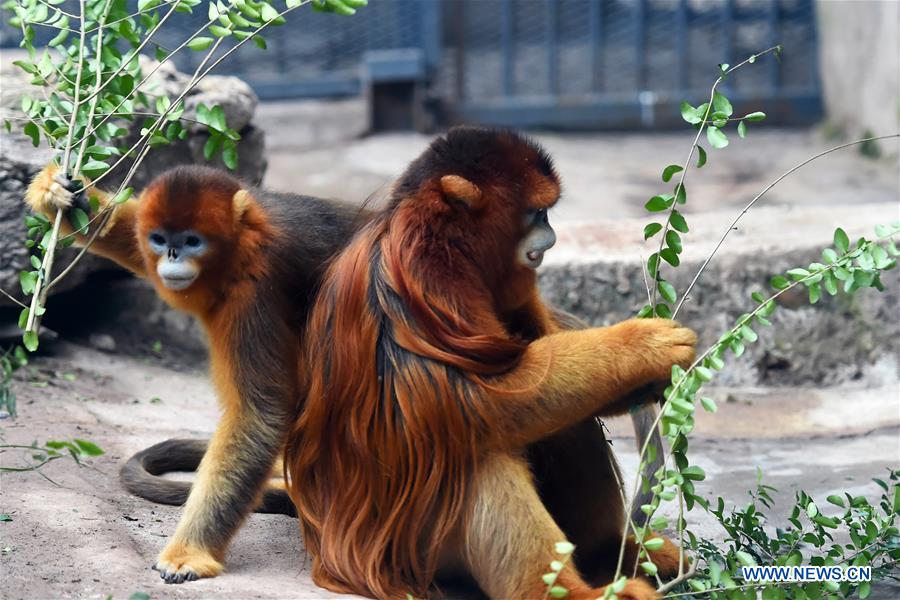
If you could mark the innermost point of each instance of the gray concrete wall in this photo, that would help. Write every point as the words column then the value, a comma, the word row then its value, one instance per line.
column 859, row 59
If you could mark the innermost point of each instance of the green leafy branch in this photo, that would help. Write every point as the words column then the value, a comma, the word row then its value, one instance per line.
column 39, row 456
column 89, row 89
column 847, row 267
column 710, row 116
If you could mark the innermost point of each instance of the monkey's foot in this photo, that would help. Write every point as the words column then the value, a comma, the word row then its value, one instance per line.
column 665, row 558
column 181, row 562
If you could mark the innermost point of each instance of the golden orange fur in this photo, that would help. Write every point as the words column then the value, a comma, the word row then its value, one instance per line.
column 431, row 365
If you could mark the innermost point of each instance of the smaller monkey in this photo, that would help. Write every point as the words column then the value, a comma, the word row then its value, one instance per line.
column 246, row 264
column 442, row 393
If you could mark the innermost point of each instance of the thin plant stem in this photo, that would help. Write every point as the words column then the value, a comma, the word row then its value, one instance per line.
column 760, row 195
column 687, row 162
column 33, row 321
column 747, row 318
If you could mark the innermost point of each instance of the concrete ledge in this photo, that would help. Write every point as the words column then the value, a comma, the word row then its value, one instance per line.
column 595, row 272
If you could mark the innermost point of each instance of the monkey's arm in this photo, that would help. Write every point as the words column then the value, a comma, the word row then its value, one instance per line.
column 117, row 240
column 566, row 377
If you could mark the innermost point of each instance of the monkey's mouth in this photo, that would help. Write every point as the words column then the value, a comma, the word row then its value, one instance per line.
column 177, row 283
column 534, row 258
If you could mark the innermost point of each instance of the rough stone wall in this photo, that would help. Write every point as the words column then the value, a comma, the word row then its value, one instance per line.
column 839, row 339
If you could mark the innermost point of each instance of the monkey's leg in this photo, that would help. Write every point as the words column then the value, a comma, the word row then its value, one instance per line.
column 509, row 538
column 577, row 474
column 229, row 481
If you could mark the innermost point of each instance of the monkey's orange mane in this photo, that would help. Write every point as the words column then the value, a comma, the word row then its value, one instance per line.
column 380, row 456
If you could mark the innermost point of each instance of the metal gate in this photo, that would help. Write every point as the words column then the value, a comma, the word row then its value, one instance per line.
column 532, row 63
column 622, row 63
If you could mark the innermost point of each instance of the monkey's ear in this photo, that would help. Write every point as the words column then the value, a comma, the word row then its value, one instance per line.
column 240, row 202
column 463, row 190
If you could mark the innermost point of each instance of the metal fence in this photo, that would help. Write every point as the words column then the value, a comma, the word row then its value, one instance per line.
column 562, row 63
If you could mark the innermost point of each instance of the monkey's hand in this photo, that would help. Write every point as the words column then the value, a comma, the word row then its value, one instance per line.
column 654, row 345
column 52, row 190
column 179, row 562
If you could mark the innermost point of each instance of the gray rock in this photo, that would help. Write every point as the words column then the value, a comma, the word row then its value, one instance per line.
column 103, row 342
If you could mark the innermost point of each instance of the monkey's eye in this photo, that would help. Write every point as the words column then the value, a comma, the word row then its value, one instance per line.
column 157, row 239
column 192, row 241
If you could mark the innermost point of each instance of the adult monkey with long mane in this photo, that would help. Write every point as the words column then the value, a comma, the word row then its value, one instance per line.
column 438, row 385
column 247, row 265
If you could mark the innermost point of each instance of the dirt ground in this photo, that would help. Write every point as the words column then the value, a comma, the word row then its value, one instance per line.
column 76, row 534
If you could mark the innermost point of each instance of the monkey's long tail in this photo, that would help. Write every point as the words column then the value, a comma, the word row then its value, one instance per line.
column 141, row 476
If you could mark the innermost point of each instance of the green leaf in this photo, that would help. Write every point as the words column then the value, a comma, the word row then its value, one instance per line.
column 557, row 591
column 211, row 146
column 229, row 155
column 716, row 138
column 693, row 473
column 690, row 114
column 670, row 256
column 742, row 129
column 89, row 448
column 30, row 340
column 652, row 229
column 841, row 241
column 653, row 265
column 79, row 220
column 654, row 543
column 5, row 518
column 200, row 43
column 755, row 116
column 32, row 131
column 748, row 334
column 667, row 291
column 218, row 31
column 659, row 203
column 815, row 292
column 663, row 311
column 649, row 568
column 704, row 373
column 680, row 193
column 564, row 547
column 779, row 282
column 260, row 42
column 669, row 171
column 267, row 12
column 745, row 559
column 659, row 523
column 645, row 312
column 28, row 281
column 123, row 196
column 721, row 104
column 94, row 168
column 836, row 500
column 677, row 221
column 709, row 404
column 674, row 241
column 701, row 156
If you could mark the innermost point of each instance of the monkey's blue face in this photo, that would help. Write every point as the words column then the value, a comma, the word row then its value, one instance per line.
column 178, row 253
column 539, row 237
